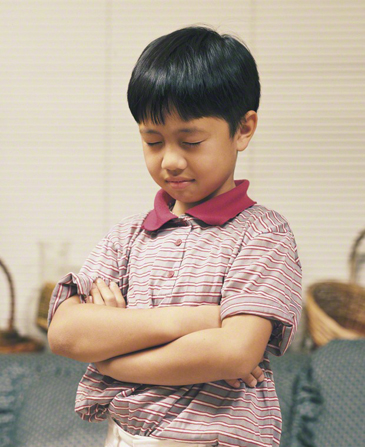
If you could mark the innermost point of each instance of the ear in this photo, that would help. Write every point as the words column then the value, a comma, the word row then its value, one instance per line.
column 246, row 130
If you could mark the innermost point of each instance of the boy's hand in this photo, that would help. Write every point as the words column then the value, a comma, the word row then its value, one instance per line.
column 106, row 296
column 251, row 380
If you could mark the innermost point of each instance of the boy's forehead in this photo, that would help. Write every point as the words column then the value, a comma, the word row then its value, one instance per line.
column 145, row 129
column 177, row 125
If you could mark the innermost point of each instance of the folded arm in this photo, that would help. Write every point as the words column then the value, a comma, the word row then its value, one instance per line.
column 223, row 353
column 91, row 333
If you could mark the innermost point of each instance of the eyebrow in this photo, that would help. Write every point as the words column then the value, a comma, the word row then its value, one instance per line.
column 187, row 130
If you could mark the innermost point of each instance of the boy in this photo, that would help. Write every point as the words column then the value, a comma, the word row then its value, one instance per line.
column 212, row 280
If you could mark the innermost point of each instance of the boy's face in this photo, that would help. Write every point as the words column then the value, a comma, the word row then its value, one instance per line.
column 194, row 160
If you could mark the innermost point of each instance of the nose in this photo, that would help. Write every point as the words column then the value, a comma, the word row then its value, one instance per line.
column 173, row 159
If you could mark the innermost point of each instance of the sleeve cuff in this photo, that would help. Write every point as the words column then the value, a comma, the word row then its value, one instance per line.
column 283, row 331
column 70, row 284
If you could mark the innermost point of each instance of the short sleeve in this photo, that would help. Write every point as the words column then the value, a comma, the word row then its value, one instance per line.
column 265, row 280
column 101, row 263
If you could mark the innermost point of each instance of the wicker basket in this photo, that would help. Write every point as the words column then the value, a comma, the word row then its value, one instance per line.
column 336, row 309
column 10, row 340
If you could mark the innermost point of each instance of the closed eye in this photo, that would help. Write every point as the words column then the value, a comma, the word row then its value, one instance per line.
column 153, row 144
column 192, row 144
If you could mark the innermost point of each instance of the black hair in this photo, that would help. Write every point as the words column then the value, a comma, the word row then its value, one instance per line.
column 198, row 73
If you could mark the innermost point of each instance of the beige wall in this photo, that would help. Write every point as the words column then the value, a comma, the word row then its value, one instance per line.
column 71, row 161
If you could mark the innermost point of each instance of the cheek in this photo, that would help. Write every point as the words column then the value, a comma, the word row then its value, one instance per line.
column 151, row 164
column 213, row 160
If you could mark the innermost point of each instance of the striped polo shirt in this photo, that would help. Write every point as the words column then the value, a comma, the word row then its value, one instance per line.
column 227, row 251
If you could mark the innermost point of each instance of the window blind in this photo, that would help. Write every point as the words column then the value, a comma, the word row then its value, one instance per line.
column 71, row 158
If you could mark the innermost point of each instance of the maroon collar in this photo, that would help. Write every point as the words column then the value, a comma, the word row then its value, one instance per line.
column 215, row 211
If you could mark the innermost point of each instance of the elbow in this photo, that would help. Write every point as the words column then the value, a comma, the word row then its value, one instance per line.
column 62, row 342
column 59, row 342
column 55, row 341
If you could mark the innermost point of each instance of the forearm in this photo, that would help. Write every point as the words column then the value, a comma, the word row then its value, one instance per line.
column 91, row 333
column 199, row 357
column 229, row 352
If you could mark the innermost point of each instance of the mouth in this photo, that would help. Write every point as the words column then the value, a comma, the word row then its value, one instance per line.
column 179, row 184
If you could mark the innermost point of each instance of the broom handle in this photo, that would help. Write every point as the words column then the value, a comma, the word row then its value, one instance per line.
column 12, row 295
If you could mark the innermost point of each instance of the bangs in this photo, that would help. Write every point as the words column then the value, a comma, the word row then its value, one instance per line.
column 159, row 100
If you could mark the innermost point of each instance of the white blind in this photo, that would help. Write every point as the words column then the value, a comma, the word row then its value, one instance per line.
column 309, row 158
column 71, row 158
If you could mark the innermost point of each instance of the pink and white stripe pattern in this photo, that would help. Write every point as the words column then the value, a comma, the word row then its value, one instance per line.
column 248, row 264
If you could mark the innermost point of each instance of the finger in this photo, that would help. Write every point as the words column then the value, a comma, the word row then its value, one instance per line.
column 97, row 298
column 106, row 293
column 118, row 294
column 250, row 380
column 258, row 374
column 235, row 383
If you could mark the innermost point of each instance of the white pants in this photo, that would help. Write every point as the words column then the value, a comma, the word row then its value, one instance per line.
column 117, row 437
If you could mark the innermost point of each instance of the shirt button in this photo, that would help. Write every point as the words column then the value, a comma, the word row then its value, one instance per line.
column 178, row 242
column 170, row 274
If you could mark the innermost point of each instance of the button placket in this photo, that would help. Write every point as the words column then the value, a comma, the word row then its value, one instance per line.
column 179, row 254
